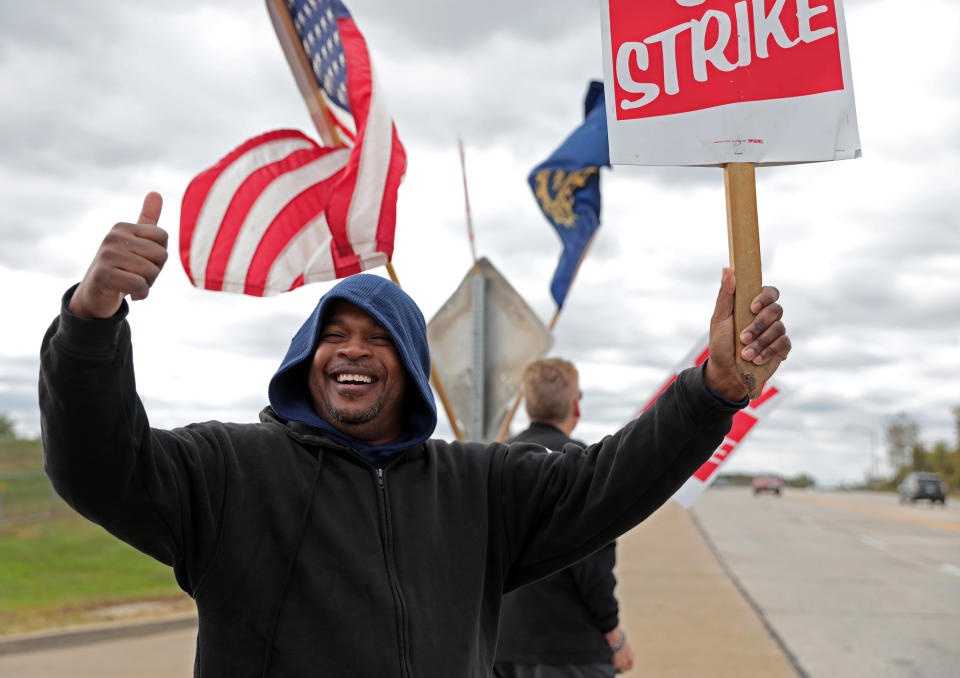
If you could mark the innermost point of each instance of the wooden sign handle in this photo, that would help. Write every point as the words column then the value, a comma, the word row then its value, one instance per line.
column 743, row 236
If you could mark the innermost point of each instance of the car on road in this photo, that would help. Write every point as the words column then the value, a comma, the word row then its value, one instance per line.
column 771, row 484
column 922, row 485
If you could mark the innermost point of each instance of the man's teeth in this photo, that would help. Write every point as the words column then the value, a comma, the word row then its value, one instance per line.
column 360, row 378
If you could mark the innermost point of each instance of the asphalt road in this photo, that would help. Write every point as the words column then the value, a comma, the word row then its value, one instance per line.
column 854, row 584
column 157, row 655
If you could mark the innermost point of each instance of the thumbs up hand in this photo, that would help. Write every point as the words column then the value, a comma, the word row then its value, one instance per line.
column 128, row 262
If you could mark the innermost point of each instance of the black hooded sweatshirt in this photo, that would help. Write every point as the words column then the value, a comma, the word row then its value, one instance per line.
column 305, row 557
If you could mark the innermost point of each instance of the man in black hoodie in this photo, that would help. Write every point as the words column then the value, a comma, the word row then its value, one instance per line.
column 335, row 537
column 568, row 624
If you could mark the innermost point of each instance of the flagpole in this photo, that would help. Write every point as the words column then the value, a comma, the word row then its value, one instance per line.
column 323, row 121
column 505, row 428
column 466, row 200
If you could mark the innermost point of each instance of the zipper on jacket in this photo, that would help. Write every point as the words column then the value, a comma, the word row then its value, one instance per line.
column 387, row 544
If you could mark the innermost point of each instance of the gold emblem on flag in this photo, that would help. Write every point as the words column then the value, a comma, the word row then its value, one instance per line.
column 555, row 194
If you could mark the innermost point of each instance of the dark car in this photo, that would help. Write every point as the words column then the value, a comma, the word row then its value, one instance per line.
column 770, row 484
column 922, row 485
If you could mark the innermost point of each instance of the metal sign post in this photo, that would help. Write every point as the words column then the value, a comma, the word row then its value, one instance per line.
column 479, row 358
column 480, row 341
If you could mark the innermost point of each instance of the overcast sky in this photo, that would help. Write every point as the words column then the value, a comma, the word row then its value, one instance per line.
column 105, row 101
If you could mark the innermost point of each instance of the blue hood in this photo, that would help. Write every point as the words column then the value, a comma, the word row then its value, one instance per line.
column 400, row 316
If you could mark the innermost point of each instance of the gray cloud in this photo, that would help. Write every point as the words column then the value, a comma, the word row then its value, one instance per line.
column 169, row 413
column 451, row 27
column 18, row 393
column 265, row 336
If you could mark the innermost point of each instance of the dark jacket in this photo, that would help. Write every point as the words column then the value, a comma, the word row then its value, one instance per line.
column 306, row 559
column 561, row 619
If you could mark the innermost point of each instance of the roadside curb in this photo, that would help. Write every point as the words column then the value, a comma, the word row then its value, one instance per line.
column 93, row 633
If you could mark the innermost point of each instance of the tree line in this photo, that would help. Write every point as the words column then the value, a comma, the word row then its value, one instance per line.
column 7, row 430
column 906, row 452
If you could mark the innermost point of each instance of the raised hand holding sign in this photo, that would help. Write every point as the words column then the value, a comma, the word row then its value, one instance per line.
column 758, row 347
column 128, row 262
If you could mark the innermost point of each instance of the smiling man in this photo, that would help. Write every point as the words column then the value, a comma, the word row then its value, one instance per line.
column 335, row 537
column 355, row 372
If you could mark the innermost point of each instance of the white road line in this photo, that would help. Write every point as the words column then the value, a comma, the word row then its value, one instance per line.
column 950, row 569
column 875, row 543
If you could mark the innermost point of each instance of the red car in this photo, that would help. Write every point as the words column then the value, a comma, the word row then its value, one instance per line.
column 766, row 484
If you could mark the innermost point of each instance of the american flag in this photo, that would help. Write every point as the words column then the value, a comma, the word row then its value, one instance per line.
column 281, row 211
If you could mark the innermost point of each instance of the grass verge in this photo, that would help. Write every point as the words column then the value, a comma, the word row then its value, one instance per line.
column 66, row 571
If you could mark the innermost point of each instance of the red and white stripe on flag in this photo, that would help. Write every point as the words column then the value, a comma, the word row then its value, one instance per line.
column 281, row 211
column 362, row 211
column 743, row 422
column 255, row 223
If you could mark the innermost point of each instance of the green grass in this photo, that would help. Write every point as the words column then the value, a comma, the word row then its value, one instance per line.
column 27, row 496
column 58, row 571
column 55, row 572
column 24, row 488
column 20, row 455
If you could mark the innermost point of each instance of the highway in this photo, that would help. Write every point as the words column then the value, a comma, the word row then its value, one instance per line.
column 854, row 584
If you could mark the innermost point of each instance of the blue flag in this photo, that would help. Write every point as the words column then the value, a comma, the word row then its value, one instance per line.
column 567, row 188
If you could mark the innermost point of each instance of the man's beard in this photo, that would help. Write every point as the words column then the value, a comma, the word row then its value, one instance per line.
column 354, row 418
